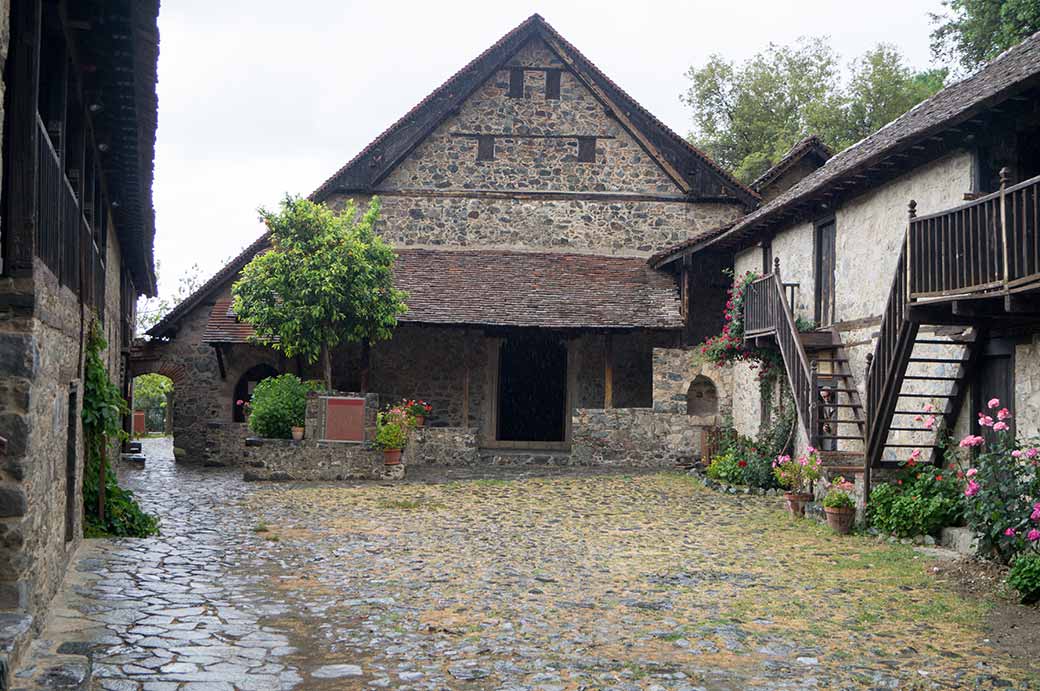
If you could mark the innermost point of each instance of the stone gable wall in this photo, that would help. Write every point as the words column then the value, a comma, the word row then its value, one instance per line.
column 529, row 160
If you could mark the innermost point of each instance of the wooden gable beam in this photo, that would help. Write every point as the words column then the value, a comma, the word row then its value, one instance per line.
column 618, row 114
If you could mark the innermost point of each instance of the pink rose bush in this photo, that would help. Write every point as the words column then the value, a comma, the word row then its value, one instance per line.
column 729, row 346
column 1002, row 490
column 797, row 474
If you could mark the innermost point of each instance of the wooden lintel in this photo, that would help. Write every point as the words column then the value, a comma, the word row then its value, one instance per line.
column 619, row 114
column 1022, row 305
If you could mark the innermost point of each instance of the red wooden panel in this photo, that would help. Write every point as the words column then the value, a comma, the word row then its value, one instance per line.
column 139, row 427
column 345, row 419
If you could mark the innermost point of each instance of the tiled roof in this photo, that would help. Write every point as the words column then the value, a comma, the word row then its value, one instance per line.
column 1012, row 73
column 510, row 288
column 810, row 145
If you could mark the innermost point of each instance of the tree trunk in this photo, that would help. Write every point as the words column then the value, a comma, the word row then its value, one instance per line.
column 326, row 362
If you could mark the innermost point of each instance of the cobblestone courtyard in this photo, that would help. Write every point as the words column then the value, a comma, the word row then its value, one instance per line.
column 569, row 582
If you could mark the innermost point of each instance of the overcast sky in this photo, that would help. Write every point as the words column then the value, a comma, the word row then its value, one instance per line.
column 262, row 97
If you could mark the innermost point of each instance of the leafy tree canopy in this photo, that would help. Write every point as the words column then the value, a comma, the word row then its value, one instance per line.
column 748, row 115
column 151, row 310
column 327, row 279
column 971, row 32
column 150, row 391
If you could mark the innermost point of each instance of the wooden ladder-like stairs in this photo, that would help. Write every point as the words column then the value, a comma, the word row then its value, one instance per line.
column 842, row 414
column 931, row 392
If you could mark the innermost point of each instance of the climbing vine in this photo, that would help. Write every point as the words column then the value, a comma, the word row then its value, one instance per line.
column 108, row 509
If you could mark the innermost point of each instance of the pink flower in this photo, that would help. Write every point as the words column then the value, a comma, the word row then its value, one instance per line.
column 915, row 454
column 1032, row 453
column 239, row 402
column 1034, row 535
column 971, row 440
column 972, row 489
column 994, row 403
column 1000, row 427
column 1003, row 414
column 985, row 420
column 929, row 408
column 1010, row 532
column 930, row 422
column 1035, row 516
column 1017, row 454
column 971, row 472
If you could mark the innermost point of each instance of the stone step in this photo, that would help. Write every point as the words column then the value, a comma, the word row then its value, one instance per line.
column 522, row 457
column 65, row 668
column 15, row 635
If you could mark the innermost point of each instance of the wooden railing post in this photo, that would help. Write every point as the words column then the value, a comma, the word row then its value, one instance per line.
column 814, row 408
column 776, row 267
column 866, row 450
column 911, row 215
column 1004, row 174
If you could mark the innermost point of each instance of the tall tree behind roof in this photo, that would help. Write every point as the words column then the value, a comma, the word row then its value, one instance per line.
column 973, row 32
column 748, row 116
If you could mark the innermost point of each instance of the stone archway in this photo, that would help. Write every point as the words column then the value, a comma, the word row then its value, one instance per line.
column 702, row 398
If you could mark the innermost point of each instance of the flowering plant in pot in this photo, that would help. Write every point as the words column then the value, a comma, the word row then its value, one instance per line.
column 796, row 475
column 417, row 411
column 392, row 433
column 839, row 506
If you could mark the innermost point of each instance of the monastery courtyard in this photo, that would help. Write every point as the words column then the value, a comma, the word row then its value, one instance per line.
column 576, row 581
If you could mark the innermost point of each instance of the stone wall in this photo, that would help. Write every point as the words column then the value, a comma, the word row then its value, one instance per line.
column 450, row 446
column 286, row 460
column 1027, row 389
column 638, row 437
column 675, row 369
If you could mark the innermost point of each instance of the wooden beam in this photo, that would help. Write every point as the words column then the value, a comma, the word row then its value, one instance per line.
column 608, row 372
column 220, row 360
column 465, row 379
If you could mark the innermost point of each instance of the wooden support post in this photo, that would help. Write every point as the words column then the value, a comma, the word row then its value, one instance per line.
column 866, row 450
column 907, row 265
column 608, row 372
column 465, row 379
column 1004, row 173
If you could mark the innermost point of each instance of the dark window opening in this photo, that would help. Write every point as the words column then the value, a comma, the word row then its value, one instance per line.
column 71, row 476
column 586, row 149
column 516, row 82
column 552, row 84
column 825, row 265
column 485, row 147
column 532, row 389
column 244, row 388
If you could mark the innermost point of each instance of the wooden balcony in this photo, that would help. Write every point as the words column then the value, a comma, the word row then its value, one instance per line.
column 986, row 248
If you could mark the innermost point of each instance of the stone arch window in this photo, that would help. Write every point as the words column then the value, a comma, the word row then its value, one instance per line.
column 245, row 385
column 702, row 398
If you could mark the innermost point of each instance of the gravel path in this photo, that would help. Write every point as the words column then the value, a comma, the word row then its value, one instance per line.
column 506, row 581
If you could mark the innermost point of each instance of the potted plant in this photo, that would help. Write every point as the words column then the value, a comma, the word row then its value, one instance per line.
column 796, row 475
column 839, row 506
column 392, row 434
column 297, row 433
column 417, row 411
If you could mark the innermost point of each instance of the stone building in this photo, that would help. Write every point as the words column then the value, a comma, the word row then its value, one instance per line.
column 914, row 250
column 79, row 118
column 524, row 197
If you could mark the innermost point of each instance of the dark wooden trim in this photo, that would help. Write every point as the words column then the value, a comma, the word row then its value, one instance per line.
column 534, row 195
column 20, row 137
column 507, row 135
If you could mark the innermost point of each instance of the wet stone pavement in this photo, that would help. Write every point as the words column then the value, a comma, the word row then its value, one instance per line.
column 576, row 581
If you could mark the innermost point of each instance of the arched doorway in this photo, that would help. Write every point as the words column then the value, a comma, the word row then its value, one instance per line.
column 244, row 388
column 702, row 398
column 152, row 405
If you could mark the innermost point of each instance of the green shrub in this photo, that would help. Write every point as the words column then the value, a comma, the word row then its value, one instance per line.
column 1025, row 576
column 921, row 501
column 728, row 468
column 279, row 404
column 838, row 499
column 392, row 429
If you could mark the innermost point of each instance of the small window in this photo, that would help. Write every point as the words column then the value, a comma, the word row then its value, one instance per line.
column 516, row 82
column 586, row 149
column 552, row 84
column 485, row 147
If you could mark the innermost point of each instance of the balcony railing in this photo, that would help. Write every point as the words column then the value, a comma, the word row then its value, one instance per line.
column 65, row 242
column 987, row 246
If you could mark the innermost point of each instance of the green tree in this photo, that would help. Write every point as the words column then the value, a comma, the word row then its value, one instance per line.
column 150, row 393
column 748, row 116
column 327, row 279
column 973, row 32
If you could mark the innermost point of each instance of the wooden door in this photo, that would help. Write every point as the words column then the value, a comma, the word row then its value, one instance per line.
column 824, row 273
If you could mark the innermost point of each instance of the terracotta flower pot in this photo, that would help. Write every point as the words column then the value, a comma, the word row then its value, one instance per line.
column 391, row 456
column 297, row 433
column 840, row 519
column 420, row 420
column 796, row 502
